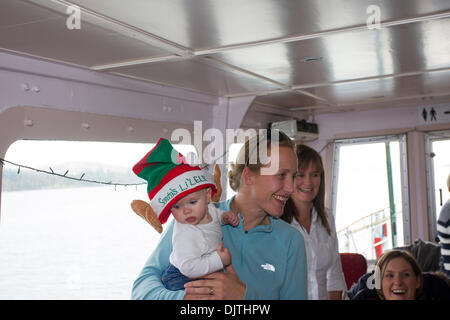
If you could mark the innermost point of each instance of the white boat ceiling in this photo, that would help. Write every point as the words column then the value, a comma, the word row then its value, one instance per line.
column 293, row 55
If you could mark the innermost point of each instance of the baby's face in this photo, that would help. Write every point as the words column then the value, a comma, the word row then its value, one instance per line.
column 193, row 208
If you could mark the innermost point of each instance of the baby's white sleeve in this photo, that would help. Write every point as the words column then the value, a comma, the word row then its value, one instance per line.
column 216, row 212
column 190, row 257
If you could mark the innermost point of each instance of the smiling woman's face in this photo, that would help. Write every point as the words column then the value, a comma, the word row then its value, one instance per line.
column 307, row 184
column 271, row 191
column 399, row 281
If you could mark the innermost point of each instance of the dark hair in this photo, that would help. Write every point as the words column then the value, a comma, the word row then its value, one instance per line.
column 306, row 156
column 250, row 150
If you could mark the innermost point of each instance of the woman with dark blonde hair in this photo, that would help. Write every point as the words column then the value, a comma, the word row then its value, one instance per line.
column 399, row 274
column 268, row 256
column 305, row 210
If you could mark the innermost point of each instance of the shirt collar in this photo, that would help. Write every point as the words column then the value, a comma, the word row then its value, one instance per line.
column 264, row 228
column 314, row 215
column 314, row 218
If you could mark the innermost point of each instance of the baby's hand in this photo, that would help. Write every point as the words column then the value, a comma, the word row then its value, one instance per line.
column 224, row 254
column 231, row 218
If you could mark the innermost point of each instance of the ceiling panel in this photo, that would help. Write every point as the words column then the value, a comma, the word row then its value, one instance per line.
column 204, row 24
column 43, row 32
column 348, row 55
column 427, row 84
column 17, row 12
column 198, row 76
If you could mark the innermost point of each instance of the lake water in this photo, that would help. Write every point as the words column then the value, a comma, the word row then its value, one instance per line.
column 83, row 243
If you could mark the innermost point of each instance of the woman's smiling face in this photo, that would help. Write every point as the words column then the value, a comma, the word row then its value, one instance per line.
column 271, row 191
column 399, row 281
column 307, row 184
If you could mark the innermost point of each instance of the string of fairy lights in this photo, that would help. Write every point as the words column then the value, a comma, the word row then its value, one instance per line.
column 66, row 176
column 82, row 177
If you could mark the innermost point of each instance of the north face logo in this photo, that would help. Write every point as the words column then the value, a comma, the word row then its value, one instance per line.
column 268, row 266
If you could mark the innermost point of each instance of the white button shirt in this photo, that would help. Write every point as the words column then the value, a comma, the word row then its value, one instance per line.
column 324, row 263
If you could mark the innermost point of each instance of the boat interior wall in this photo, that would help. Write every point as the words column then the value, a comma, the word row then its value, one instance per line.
column 417, row 188
column 56, row 86
column 32, row 82
column 37, row 123
column 373, row 122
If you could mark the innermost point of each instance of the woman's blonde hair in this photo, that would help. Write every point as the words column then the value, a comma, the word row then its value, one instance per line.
column 306, row 156
column 250, row 152
column 384, row 260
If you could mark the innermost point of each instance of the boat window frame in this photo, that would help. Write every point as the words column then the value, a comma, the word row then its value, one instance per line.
column 429, row 138
column 402, row 139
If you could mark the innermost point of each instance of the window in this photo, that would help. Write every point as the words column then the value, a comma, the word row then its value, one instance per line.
column 437, row 150
column 370, row 194
column 63, row 239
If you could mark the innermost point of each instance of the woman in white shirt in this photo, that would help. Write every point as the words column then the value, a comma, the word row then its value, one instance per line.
column 305, row 210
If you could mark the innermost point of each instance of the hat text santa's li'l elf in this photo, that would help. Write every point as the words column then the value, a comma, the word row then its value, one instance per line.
column 169, row 178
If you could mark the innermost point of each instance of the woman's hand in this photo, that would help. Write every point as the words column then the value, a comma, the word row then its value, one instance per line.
column 216, row 286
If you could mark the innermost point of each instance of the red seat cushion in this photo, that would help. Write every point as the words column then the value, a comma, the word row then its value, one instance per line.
column 354, row 265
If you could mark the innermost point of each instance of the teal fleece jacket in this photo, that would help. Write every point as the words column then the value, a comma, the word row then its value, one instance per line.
column 269, row 259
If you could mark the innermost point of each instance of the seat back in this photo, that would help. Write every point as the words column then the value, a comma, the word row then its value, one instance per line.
column 354, row 265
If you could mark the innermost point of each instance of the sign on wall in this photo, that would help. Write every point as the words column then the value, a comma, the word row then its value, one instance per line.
column 432, row 114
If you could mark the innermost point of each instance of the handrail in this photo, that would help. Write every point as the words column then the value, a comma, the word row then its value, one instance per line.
column 365, row 217
column 368, row 224
column 372, row 224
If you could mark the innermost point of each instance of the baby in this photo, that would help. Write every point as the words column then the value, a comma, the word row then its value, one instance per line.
column 185, row 191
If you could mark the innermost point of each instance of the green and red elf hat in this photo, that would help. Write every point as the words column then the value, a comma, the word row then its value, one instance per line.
column 170, row 178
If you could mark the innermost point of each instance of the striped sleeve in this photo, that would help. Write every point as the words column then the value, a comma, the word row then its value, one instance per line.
column 443, row 229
